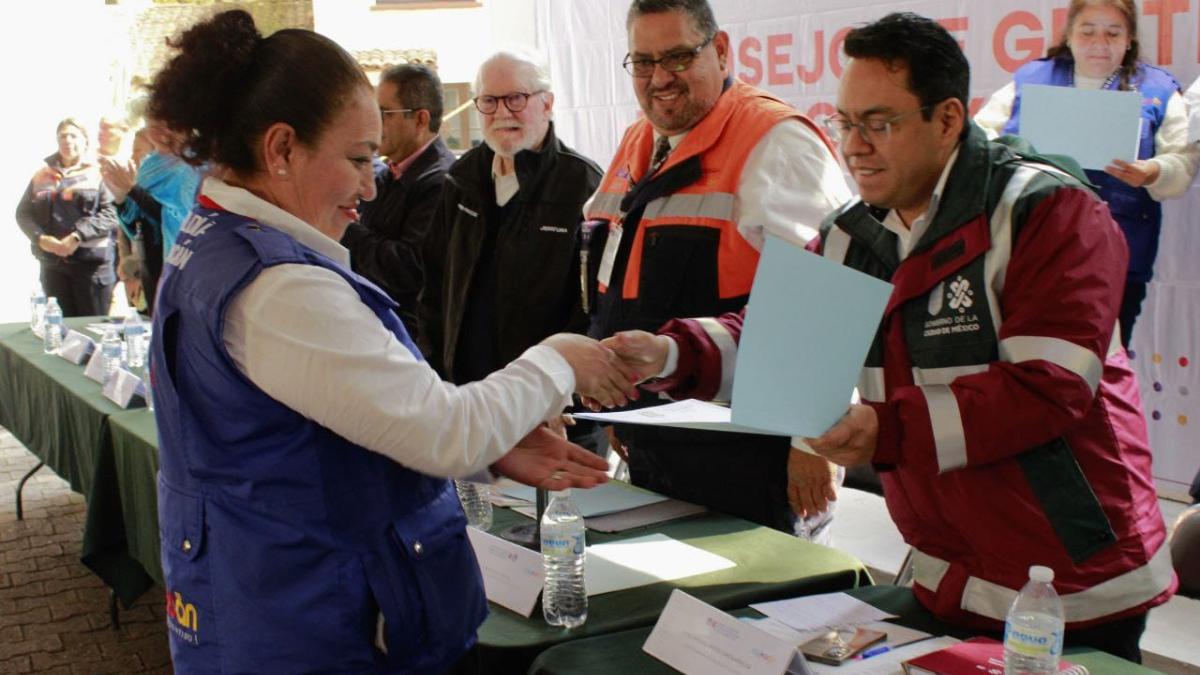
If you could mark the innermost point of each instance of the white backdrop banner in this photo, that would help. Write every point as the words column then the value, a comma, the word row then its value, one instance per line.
column 793, row 49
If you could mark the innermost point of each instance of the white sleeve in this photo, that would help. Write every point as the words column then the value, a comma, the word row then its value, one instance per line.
column 789, row 184
column 1192, row 97
column 994, row 115
column 303, row 336
column 1177, row 159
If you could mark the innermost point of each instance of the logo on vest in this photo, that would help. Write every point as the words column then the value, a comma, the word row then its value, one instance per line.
column 960, row 298
column 182, row 618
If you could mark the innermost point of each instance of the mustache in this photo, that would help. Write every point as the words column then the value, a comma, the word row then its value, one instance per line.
column 672, row 89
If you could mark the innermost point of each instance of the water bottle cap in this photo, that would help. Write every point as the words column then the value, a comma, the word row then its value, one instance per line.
column 1041, row 574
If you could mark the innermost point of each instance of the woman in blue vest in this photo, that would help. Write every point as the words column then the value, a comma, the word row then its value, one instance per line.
column 1099, row 49
column 306, row 525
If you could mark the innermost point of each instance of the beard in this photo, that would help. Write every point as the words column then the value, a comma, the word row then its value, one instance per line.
column 507, row 146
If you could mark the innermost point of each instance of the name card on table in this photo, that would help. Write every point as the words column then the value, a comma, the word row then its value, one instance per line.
column 125, row 389
column 76, row 347
column 95, row 366
column 512, row 574
column 696, row 638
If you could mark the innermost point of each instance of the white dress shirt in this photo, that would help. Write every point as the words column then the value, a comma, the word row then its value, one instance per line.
column 1192, row 98
column 1177, row 160
column 302, row 335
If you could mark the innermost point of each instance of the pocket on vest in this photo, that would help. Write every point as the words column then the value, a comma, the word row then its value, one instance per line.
column 428, row 586
column 1067, row 499
column 679, row 271
column 191, row 617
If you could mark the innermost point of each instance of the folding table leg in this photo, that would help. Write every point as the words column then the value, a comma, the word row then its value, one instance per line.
column 21, row 486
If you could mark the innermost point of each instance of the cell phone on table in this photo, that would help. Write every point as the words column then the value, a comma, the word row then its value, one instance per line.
column 837, row 646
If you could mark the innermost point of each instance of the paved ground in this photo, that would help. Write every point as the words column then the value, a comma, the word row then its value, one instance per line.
column 53, row 610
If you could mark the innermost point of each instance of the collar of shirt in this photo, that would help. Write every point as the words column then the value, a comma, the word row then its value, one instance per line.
column 398, row 168
column 245, row 203
column 1084, row 82
column 673, row 140
column 506, row 185
column 907, row 237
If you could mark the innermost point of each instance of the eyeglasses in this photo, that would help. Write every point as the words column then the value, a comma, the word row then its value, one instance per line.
column 872, row 130
column 384, row 112
column 672, row 62
column 515, row 102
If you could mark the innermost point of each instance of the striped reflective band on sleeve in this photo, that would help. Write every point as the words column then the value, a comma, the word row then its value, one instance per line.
column 871, row 385
column 1120, row 593
column 1068, row 355
column 728, row 348
column 945, row 375
column 835, row 245
column 949, row 439
column 95, row 243
column 716, row 205
column 605, row 204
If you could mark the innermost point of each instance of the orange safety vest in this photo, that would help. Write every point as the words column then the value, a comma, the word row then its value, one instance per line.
column 722, row 141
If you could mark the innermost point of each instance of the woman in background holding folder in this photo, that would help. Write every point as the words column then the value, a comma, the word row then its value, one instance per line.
column 1099, row 50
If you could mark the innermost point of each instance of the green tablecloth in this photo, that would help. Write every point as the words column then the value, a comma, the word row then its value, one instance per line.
column 135, row 455
column 770, row 565
column 622, row 652
column 63, row 418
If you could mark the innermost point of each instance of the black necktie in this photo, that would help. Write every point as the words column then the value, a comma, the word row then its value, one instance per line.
column 661, row 149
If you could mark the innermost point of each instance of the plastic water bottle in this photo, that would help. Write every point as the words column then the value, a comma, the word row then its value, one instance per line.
column 564, row 597
column 52, row 335
column 1033, row 631
column 476, row 501
column 135, row 339
column 110, row 349
column 37, row 308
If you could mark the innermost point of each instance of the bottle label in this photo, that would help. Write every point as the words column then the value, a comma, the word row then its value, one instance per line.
column 563, row 545
column 1030, row 641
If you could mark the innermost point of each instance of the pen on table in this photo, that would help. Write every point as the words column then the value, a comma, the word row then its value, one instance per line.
column 876, row 651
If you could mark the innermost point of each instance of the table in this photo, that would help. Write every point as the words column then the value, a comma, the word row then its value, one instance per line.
column 622, row 652
column 770, row 565
column 63, row 419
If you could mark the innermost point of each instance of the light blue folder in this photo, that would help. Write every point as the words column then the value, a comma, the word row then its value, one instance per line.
column 1094, row 126
column 809, row 324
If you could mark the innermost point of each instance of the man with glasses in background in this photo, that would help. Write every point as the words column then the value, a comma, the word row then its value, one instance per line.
column 386, row 243
column 997, row 402
column 502, row 261
column 694, row 186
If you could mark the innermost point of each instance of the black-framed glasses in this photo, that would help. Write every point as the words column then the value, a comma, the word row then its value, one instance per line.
column 384, row 112
column 672, row 62
column 515, row 102
column 872, row 130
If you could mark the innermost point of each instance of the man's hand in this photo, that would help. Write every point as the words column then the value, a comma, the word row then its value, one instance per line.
column 851, row 441
column 812, row 483
column 58, row 247
column 69, row 243
column 645, row 353
column 1137, row 173
column 600, row 375
column 548, row 461
column 133, row 290
column 118, row 176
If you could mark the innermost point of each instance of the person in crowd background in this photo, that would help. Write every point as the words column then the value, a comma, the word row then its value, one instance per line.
column 670, row 244
column 1100, row 49
column 305, row 525
column 502, row 261
column 68, row 215
column 133, row 264
column 1020, row 441
column 386, row 243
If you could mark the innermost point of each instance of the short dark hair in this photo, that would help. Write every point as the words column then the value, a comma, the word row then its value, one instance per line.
column 419, row 88
column 228, row 84
column 937, row 68
column 73, row 122
column 699, row 10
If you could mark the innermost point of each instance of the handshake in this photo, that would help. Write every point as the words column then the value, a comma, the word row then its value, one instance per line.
column 607, row 371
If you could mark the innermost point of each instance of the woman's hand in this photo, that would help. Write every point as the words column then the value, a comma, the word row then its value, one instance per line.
column 118, row 176
column 600, row 375
column 1138, row 173
column 548, row 461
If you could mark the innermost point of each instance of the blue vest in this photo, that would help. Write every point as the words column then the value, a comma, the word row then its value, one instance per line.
column 1138, row 214
column 281, row 541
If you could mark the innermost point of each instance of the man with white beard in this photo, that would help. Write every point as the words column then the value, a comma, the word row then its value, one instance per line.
column 502, row 257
